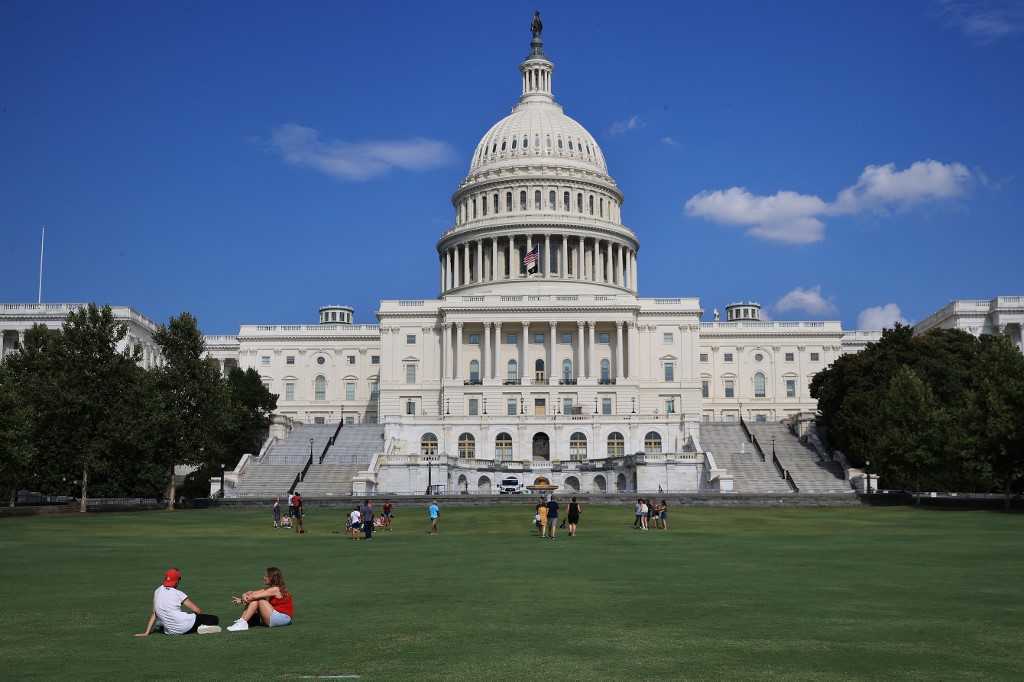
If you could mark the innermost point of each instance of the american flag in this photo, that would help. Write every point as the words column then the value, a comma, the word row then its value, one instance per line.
column 531, row 258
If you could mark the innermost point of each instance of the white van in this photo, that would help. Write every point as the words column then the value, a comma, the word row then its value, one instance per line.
column 510, row 485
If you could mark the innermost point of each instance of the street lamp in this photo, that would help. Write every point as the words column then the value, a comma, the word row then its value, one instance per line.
column 446, row 406
column 634, row 404
column 485, row 405
column 522, row 405
column 595, row 405
column 310, row 449
column 222, row 480
column 773, row 446
column 867, row 473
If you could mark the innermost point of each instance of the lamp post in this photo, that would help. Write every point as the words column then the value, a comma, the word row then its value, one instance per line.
column 595, row 405
column 522, row 405
column 446, row 406
column 310, row 449
column 485, row 405
column 773, row 447
column 222, row 480
column 634, row 404
column 867, row 474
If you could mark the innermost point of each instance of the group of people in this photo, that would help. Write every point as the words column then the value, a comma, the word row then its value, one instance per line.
column 651, row 509
column 546, row 518
column 363, row 519
column 271, row 606
column 295, row 511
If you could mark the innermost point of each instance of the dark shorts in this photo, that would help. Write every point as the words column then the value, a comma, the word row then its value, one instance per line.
column 202, row 619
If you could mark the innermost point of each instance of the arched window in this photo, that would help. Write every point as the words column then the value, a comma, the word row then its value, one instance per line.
column 566, row 370
column 495, row 199
column 320, row 387
column 577, row 446
column 536, row 200
column 513, row 143
column 759, row 385
column 605, row 370
column 616, row 445
column 467, row 446
column 601, row 206
column 579, row 202
column 538, row 370
column 552, row 201
column 508, row 202
column 503, row 448
column 483, row 205
column 503, row 145
column 565, row 201
column 652, row 443
column 513, row 370
column 474, row 370
column 591, row 205
column 522, row 200
column 428, row 445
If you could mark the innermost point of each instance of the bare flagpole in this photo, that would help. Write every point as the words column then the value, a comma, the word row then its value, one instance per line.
column 42, row 245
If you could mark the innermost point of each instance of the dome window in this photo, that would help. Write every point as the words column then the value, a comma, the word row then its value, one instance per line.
column 565, row 201
column 559, row 143
column 513, row 143
column 526, row 142
column 591, row 205
column 522, row 200
column 552, row 201
column 503, row 145
column 579, row 202
column 508, row 202
column 536, row 141
column 588, row 150
column 570, row 145
column 549, row 143
column 537, row 200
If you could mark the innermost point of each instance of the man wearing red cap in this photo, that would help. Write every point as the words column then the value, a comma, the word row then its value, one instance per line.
column 167, row 613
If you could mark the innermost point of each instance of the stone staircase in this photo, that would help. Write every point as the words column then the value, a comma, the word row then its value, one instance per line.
column 809, row 472
column 351, row 453
column 729, row 444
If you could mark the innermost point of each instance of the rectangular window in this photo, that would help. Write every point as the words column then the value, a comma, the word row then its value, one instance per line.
column 814, row 357
column 511, row 339
column 474, row 339
column 666, row 337
column 410, row 339
column 289, row 360
column 374, row 359
column 319, row 420
column 670, row 372
column 790, row 388
column 707, row 419
column 266, row 385
column 670, row 406
column 265, row 360
column 727, row 357
column 604, row 337
column 705, row 388
column 410, row 374
column 289, row 391
column 730, row 418
column 566, row 338
column 789, row 357
column 510, row 406
column 351, row 359
column 474, row 407
column 350, row 391
column 350, row 420
column 729, row 392
column 538, row 338
column 374, row 391
column 606, row 405
column 703, row 357
column 566, row 405
column 410, row 407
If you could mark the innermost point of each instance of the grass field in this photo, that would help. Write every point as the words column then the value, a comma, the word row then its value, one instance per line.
column 801, row 594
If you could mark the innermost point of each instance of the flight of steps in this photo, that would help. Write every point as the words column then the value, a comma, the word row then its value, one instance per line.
column 351, row 453
column 809, row 472
column 732, row 451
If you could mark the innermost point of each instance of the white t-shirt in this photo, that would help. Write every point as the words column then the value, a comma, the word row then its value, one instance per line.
column 355, row 518
column 167, row 605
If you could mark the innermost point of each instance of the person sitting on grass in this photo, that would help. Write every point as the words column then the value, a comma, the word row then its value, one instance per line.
column 271, row 606
column 355, row 522
column 167, row 613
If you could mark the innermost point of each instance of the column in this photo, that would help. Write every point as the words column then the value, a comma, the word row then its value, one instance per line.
column 465, row 266
column 633, row 371
column 446, row 347
column 479, row 261
column 529, row 248
column 593, row 261
column 609, row 276
column 522, row 351
column 547, row 255
column 444, row 265
column 563, row 258
column 619, row 274
column 497, row 350
column 591, row 328
column 579, row 258
column 512, row 258
column 636, row 281
column 619, row 369
column 494, row 259
column 458, row 350
column 551, row 350
column 487, row 351
column 578, row 368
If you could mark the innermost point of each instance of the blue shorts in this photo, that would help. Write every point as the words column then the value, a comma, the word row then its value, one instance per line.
column 278, row 619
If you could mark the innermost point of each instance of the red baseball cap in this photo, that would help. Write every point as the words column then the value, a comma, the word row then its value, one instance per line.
column 171, row 577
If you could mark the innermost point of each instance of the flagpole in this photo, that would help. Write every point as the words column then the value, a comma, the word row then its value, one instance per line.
column 42, row 246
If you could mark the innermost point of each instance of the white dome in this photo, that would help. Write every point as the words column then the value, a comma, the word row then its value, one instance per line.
column 537, row 130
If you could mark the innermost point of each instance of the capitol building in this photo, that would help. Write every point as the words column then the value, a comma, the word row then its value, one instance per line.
column 539, row 357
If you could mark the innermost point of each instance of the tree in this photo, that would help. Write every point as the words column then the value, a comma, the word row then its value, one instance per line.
column 909, row 429
column 17, row 450
column 252, row 403
column 996, row 408
column 194, row 405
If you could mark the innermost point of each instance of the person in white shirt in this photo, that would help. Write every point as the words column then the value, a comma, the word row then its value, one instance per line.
column 167, row 613
column 355, row 522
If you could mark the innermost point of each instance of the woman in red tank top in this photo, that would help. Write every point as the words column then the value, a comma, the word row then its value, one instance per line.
column 272, row 604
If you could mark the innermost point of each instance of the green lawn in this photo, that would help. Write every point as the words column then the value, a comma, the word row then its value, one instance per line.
column 725, row 594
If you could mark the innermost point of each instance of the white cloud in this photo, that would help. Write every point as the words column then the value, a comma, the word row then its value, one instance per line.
column 301, row 146
column 984, row 21
column 881, row 317
column 786, row 216
column 669, row 141
column 629, row 125
column 795, row 218
column 808, row 300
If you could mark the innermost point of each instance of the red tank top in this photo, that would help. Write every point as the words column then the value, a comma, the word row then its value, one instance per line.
column 283, row 605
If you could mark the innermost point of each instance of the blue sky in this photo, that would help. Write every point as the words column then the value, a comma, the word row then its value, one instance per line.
column 249, row 162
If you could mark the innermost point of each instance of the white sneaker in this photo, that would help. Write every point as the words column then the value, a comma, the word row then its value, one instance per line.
column 207, row 629
column 238, row 626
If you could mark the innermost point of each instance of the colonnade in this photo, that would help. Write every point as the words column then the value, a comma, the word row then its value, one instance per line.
column 582, row 350
column 560, row 257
